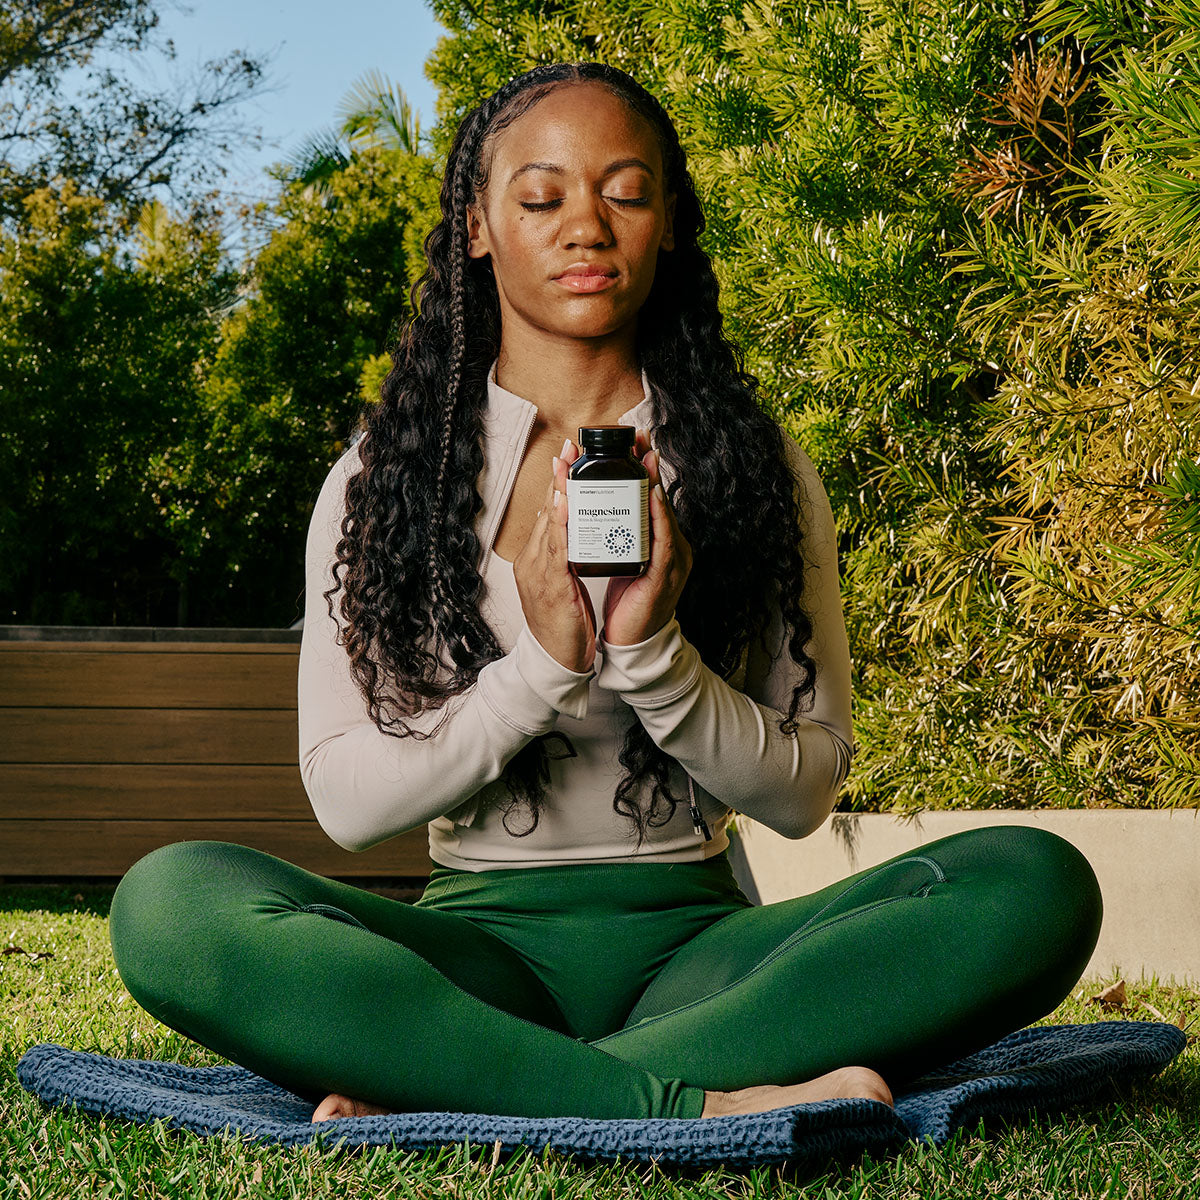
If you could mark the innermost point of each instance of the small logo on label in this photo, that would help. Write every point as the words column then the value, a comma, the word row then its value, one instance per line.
column 619, row 539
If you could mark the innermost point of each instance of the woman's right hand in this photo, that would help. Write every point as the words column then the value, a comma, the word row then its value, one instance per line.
column 558, row 609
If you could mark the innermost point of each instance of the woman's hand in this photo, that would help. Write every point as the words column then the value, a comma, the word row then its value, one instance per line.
column 635, row 609
column 558, row 609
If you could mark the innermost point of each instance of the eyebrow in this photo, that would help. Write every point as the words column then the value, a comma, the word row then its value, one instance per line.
column 555, row 169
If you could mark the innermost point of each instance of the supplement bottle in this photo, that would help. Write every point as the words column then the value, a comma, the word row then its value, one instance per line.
column 608, row 505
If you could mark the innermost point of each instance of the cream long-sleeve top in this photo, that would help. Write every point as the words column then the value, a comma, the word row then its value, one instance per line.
column 366, row 786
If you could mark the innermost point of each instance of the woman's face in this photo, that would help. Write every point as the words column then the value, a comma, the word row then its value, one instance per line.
column 578, row 178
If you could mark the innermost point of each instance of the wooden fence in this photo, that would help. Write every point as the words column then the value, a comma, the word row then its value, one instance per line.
column 116, row 741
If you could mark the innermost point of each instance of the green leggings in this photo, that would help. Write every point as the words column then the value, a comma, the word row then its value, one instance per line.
column 613, row 990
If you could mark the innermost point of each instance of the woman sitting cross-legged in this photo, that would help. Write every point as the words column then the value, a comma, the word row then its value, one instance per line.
column 576, row 742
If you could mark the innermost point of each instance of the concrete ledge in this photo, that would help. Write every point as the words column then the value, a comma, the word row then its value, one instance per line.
column 1147, row 862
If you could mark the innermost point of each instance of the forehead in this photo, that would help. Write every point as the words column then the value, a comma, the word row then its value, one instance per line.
column 576, row 125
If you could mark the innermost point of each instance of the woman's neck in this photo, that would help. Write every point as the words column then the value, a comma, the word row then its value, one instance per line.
column 575, row 385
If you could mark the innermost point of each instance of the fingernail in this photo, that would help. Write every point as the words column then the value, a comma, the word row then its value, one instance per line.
column 566, row 447
column 557, row 493
column 556, row 464
column 658, row 487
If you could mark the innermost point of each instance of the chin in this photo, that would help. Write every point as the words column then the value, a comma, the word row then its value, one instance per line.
column 596, row 324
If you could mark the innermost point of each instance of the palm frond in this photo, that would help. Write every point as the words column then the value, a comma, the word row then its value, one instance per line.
column 318, row 160
column 375, row 113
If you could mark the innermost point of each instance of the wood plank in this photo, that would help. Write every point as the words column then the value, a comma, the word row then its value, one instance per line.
column 110, row 848
column 164, row 735
column 183, row 647
column 93, row 678
column 150, row 791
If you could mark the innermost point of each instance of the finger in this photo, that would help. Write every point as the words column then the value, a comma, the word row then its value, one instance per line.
column 556, row 540
column 664, row 498
column 662, row 521
column 650, row 462
column 537, row 535
column 589, row 608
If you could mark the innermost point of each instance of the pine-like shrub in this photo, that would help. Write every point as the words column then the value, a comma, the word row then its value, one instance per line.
column 958, row 248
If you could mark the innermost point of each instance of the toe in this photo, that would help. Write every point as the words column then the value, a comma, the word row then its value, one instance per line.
column 332, row 1106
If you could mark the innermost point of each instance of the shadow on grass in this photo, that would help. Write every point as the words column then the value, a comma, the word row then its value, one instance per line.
column 71, row 896
column 95, row 895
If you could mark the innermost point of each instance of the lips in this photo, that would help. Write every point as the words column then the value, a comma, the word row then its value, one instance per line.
column 582, row 270
column 586, row 278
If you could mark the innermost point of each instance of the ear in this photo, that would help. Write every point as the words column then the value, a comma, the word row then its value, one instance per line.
column 668, row 237
column 477, row 239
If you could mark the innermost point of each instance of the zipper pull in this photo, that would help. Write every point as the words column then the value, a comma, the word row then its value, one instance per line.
column 698, row 822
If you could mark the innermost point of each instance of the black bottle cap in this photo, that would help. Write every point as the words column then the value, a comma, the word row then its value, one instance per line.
column 607, row 439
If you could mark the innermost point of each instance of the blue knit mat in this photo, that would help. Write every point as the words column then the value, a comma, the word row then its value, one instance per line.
column 1046, row 1068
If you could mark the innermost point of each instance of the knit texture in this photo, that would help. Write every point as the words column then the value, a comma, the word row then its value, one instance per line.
column 1045, row 1068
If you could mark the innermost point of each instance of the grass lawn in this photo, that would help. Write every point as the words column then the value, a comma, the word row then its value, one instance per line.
column 1141, row 1141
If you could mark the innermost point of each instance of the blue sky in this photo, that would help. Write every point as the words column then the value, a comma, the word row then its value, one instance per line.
column 315, row 52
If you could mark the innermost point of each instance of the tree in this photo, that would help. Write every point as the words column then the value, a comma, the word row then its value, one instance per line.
column 114, row 140
column 110, row 305
column 166, row 419
column 1088, row 298
column 322, row 302
column 104, row 345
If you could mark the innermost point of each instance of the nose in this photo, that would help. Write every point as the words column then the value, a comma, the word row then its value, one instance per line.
column 584, row 221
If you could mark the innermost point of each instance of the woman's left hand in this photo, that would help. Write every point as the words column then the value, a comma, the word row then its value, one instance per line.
column 637, row 608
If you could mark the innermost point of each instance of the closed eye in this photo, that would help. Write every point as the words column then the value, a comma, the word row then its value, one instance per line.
column 551, row 203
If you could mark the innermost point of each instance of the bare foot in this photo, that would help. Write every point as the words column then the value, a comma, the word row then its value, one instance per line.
column 860, row 1083
column 845, row 1082
column 335, row 1105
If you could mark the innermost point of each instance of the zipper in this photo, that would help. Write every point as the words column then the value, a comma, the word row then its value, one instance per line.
column 698, row 822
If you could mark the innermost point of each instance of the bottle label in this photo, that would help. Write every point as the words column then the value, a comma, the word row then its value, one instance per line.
column 608, row 520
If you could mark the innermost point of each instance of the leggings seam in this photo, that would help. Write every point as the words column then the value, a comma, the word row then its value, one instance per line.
column 787, row 944
column 794, row 938
column 937, row 870
column 334, row 913
column 933, row 866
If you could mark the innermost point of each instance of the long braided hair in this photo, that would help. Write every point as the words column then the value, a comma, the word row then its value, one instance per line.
column 409, row 549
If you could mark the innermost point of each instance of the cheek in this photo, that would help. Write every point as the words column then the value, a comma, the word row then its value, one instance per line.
column 648, row 244
column 521, row 237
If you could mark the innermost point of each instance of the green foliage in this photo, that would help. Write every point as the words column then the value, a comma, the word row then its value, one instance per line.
column 370, row 379
column 958, row 245
column 375, row 114
column 166, row 420
column 956, row 250
column 103, row 346
column 1094, row 412
column 323, row 299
